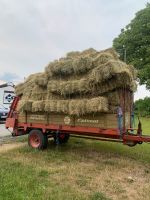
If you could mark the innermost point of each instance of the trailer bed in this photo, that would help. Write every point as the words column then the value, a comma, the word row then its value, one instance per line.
column 103, row 126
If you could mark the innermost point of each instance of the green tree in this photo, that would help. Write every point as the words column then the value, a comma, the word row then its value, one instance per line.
column 142, row 107
column 133, row 44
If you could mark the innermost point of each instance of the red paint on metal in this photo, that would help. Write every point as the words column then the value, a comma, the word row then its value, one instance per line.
column 10, row 123
column 96, row 133
column 34, row 140
column 62, row 135
column 12, row 112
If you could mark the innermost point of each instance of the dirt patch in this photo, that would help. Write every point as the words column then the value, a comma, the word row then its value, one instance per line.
column 7, row 147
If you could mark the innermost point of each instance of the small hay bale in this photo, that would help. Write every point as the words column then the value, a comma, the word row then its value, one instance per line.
column 88, row 52
column 108, row 70
column 82, row 65
column 73, row 54
column 24, row 106
column 38, row 93
column 50, row 106
column 54, row 86
column 41, row 80
column 77, row 107
column 112, row 52
column 32, row 77
column 63, row 106
column 19, row 89
column 101, row 58
column 64, row 88
column 69, row 67
column 98, row 104
column 60, row 68
column 113, row 97
column 38, row 106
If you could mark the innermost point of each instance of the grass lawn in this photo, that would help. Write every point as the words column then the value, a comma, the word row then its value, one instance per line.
column 81, row 169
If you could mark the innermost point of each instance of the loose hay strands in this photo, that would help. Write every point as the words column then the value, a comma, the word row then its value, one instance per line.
column 113, row 97
column 73, row 54
column 69, row 67
column 65, row 88
column 24, row 106
column 74, row 107
column 108, row 70
column 50, row 106
column 38, row 93
column 98, row 104
column 104, row 78
column 101, row 58
column 112, row 52
column 27, row 85
column 62, row 106
column 38, row 106
column 77, row 107
column 19, row 89
column 68, row 84
column 77, row 65
column 41, row 80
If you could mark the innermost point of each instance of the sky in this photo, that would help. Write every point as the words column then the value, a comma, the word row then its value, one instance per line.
column 33, row 33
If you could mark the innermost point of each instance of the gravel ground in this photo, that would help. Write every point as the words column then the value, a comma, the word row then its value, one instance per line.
column 5, row 135
column 3, row 131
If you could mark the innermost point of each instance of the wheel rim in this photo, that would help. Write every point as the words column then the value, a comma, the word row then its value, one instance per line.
column 34, row 140
column 131, row 143
column 62, row 136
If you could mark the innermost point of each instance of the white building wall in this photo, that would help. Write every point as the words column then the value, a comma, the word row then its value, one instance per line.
column 6, row 94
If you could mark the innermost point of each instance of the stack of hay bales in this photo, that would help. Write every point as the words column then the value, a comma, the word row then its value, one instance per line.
column 78, row 84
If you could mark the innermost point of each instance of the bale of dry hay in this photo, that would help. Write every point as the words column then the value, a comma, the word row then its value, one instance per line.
column 28, row 84
column 65, row 88
column 73, row 54
column 98, row 104
column 79, row 64
column 71, row 107
column 80, row 83
column 69, row 67
column 41, row 80
column 19, row 89
column 38, row 106
column 113, row 97
column 24, row 106
column 108, row 70
column 104, row 78
column 101, row 58
column 77, row 107
column 50, row 106
column 63, row 106
column 112, row 52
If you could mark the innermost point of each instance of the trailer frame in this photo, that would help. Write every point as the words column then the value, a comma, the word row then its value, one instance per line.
column 109, row 134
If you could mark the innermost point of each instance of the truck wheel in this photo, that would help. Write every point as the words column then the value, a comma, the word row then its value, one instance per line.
column 63, row 138
column 131, row 143
column 37, row 139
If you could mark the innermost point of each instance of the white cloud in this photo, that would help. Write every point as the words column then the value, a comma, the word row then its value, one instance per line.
column 141, row 92
column 34, row 32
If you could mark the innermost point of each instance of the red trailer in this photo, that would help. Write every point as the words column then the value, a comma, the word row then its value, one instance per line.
column 102, row 126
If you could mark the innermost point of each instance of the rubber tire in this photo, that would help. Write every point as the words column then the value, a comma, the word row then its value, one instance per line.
column 42, row 137
column 131, row 144
column 62, row 140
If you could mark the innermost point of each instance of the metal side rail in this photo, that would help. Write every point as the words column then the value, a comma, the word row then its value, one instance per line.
column 137, row 138
column 13, row 107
